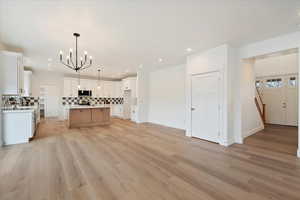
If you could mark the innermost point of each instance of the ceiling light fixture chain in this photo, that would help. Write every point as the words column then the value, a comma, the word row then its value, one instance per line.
column 84, row 64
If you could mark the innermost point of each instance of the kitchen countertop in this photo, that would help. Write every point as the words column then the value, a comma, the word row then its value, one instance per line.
column 87, row 107
column 18, row 110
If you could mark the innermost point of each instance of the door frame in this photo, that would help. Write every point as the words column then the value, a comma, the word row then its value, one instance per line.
column 45, row 101
column 278, row 44
column 219, row 77
column 285, row 78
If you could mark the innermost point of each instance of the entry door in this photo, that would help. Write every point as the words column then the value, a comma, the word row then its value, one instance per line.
column 205, row 106
column 291, row 101
column 280, row 95
column 273, row 97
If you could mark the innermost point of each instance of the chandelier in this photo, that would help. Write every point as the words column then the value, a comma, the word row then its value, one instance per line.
column 74, row 63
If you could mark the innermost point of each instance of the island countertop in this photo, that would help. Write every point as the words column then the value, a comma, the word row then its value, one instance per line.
column 87, row 107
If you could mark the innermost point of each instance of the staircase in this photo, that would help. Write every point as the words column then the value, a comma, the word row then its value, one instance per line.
column 261, row 107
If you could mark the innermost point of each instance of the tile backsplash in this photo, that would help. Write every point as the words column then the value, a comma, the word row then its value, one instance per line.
column 20, row 101
column 92, row 100
column 31, row 101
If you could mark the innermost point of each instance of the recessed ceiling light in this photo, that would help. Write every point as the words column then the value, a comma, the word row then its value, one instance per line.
column 160, row 60
column 189, row 49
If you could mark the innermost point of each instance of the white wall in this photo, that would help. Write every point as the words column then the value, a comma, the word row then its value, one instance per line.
column 277, row 65
column 1, row 87
column 142, row 95
column 167, row 97
column 251, row 122
column 40, row 78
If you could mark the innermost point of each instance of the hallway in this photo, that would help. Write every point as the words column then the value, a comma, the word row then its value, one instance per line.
column 277, row 138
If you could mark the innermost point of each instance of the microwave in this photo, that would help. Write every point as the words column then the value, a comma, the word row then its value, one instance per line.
column 85, row 93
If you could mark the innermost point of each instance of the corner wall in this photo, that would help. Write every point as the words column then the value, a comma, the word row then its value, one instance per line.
column 167, row 97
column 251, row 122
column 1, row 84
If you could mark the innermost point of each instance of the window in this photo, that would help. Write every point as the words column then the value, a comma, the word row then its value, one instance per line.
column 258, row 84
column 274, row 83
column 292, row 82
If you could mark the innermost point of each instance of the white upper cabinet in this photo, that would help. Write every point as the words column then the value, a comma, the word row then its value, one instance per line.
column 129, row 84
column 107, row 88
column 117, row 89
column 27, row 83
column 12, row 69
column 126, row 84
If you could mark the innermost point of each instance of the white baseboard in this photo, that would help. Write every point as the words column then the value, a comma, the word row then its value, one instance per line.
column 227, row 143
column 253, row 131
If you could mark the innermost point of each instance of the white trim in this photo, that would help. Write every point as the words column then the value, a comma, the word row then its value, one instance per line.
column 298, row 153
column 253, row 131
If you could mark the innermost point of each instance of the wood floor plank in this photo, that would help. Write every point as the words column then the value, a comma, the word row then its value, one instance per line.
column 128, row 161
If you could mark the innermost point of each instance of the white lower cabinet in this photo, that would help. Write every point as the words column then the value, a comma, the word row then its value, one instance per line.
column 24, row 130
column 117, row 110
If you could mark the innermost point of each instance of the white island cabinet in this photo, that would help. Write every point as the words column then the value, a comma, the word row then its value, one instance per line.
column 18, row 126
column 13, row 73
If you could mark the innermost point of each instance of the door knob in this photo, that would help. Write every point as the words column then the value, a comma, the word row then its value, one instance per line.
column 284, row 105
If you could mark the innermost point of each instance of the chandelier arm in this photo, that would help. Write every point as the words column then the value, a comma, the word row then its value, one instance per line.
column 67, row 65
column 83, row 63
column 71, row 59
column 85, row 67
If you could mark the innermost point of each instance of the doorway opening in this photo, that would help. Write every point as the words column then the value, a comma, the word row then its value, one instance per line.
column 127, row 105
column 275, row 83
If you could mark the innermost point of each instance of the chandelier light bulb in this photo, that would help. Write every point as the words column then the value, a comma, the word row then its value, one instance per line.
column 78, row 86
column 85, row 52
column 71, row 50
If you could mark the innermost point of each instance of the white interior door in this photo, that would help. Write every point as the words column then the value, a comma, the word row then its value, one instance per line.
column 51, row 101
column 205, row 106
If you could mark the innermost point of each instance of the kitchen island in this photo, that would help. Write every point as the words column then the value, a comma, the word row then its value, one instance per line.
column 87, row 116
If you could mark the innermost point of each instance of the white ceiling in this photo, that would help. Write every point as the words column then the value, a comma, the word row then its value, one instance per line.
column 124, row 34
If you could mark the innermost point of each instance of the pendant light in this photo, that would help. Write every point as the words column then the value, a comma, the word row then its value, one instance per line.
column 78, row 86
column 99, row 79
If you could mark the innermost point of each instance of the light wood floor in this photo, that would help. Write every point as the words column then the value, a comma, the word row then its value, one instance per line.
column 137, row 162
column 282, row 139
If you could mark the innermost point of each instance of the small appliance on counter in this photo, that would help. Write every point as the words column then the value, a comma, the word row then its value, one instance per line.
column 84, row 102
